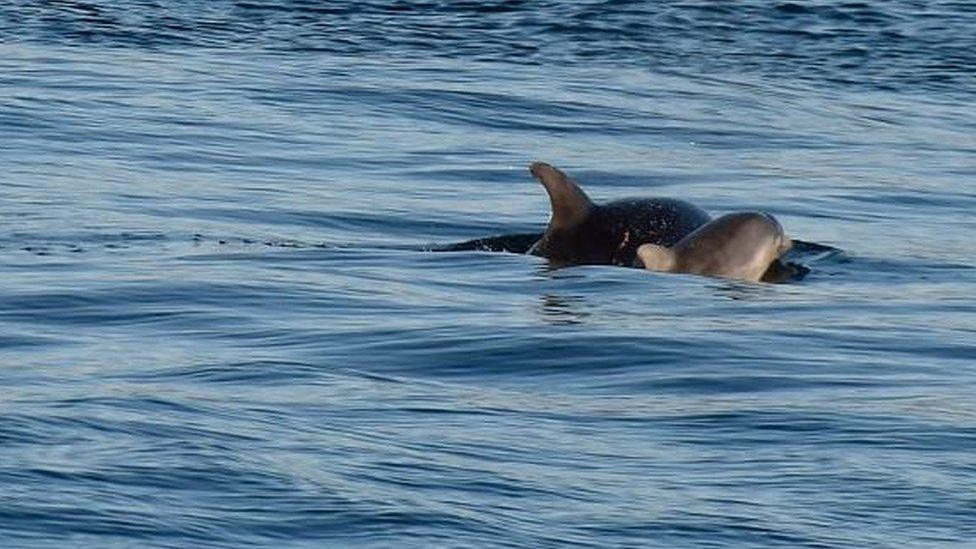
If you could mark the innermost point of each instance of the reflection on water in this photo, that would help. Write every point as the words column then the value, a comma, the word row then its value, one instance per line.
column 563, row 309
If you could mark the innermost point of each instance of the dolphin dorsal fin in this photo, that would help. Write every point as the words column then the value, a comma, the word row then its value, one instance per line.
column 570, row 205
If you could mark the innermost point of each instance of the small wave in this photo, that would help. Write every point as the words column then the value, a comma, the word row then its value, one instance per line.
column 897, row 44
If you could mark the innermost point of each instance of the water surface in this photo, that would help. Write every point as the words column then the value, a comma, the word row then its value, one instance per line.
column 219, row 325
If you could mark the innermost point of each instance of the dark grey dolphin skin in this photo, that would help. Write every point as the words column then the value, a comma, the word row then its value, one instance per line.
column 583, row 233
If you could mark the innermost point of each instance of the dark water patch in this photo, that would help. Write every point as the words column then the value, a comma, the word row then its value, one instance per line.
column 15, row 342
column 895, row 41
column 721, row 384
column 269, row 372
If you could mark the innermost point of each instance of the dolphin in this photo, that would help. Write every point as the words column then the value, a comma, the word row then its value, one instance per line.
column 739, row 245
column 581, row 232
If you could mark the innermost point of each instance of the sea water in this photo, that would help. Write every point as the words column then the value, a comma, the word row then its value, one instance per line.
column 221, row 326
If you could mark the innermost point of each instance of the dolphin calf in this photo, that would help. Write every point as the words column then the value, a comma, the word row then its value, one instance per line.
column 738, row 245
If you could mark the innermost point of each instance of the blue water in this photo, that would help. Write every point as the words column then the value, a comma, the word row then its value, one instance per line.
column 219, row 326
